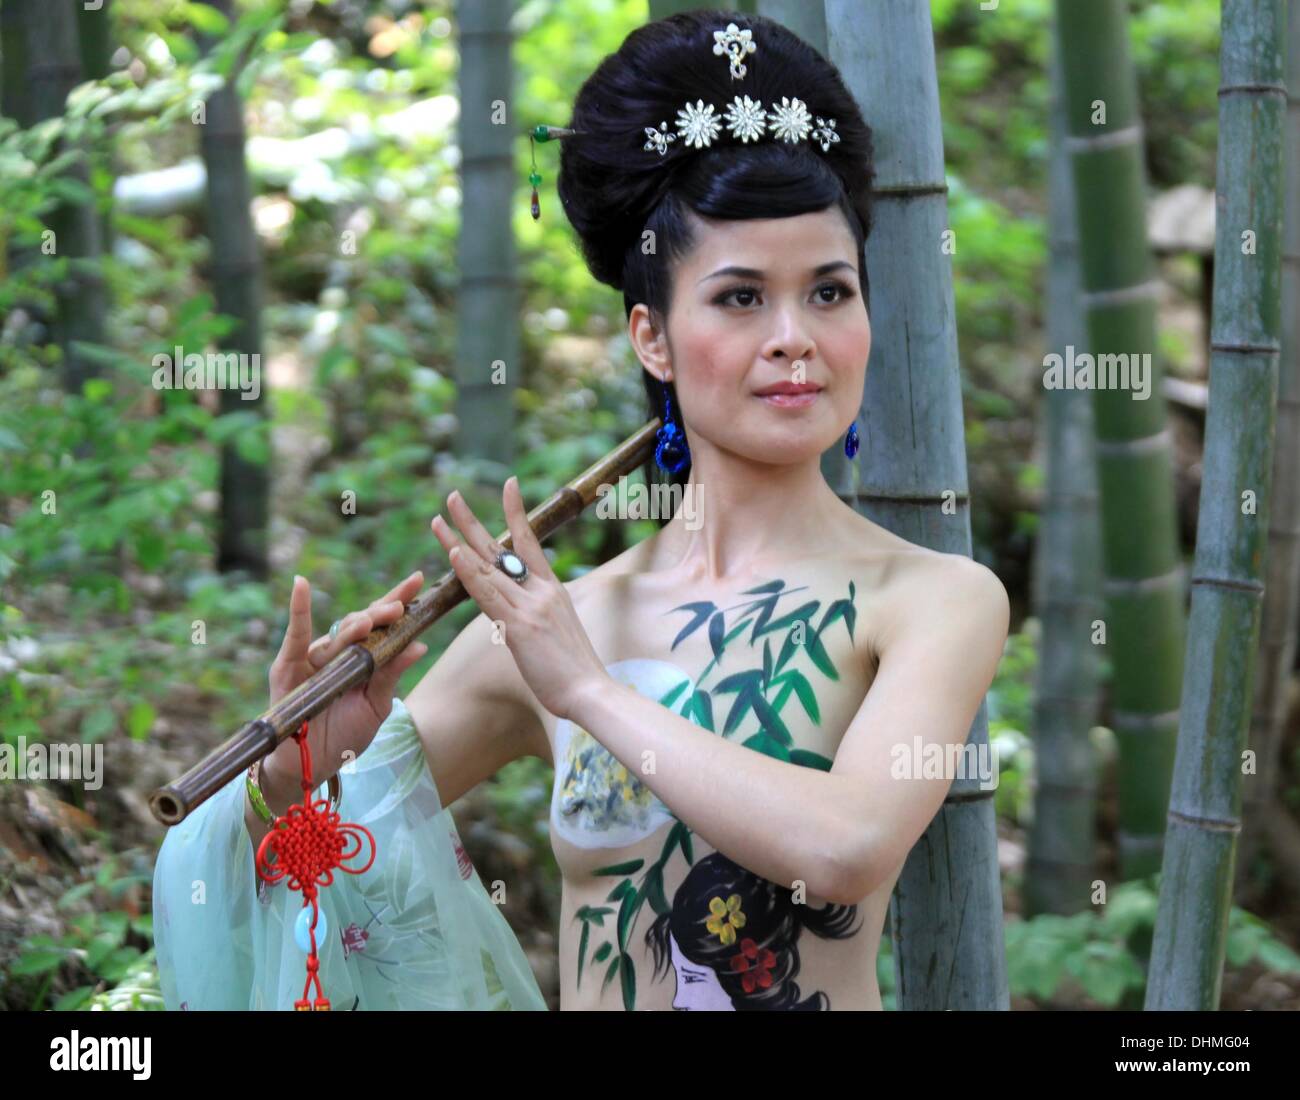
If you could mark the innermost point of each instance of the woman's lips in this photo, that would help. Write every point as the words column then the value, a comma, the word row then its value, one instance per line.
column 791, row 400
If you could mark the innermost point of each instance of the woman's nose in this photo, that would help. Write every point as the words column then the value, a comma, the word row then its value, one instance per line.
column 790, row 337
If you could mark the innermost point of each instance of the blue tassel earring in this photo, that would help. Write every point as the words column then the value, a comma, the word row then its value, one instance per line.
column 671, row 452
column 851, row 440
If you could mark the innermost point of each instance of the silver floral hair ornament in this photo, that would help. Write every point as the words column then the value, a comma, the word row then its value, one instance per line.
column 735, row 43
column 698, row 123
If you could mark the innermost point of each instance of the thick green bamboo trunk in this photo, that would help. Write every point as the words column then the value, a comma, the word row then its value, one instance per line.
column 1067, row 583
column 54, row 69
column 946, row 913
column 1261, row 814
column 1227, row 585
column 236, row 275
column 488, row 357
column 1144, row 574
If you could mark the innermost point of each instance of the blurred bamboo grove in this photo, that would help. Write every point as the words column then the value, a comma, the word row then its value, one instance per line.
column 330, row 200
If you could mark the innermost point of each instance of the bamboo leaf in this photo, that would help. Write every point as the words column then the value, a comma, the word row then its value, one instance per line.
column 717, row 625
column 739, row 709
column 771, row 721
column 609, row 974
column 628, row 973
column 654, row 891
column 787, row 651
column 807, row 696
column 819, row 656
column 738, row 681
column 626, row 913
column 602, row 953
column 761, row 619
column 582, row 949
column 704, row 709
column 761, row 742
column 595, row 915
column 803, row 613
column 767, row 662
column 806, row 759
column 671, row 697
column 699, row 612
column 631, row 866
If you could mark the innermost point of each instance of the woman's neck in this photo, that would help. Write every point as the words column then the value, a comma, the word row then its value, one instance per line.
column 740, row 519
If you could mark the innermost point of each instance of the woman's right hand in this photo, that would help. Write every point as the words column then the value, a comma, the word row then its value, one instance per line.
column 344, row 730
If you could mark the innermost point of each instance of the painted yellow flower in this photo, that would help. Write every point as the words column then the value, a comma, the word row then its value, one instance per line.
column 726, row 918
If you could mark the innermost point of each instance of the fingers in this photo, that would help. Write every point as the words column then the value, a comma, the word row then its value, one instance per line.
column 494, row 592
column 356, row 625
column 475, row 533
column 403, row 590
column 523, row 539
column 491, row 589
column 352, row 628
column 297, row 634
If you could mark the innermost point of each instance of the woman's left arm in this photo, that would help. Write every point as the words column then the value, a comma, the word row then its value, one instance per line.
column 839, row 832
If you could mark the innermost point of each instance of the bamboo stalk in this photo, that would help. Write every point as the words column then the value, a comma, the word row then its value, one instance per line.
column 53, row 70
column 1227, row 586
column 488, row 352
column 1277, row 632
column 946, row 912
column 236, row 275
column 1067, row 584
column 1144, row 575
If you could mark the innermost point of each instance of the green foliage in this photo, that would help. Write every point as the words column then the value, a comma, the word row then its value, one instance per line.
column 103, row 945
column 1103, row 953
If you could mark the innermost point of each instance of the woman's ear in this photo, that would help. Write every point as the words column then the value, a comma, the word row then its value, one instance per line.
column 650, row 345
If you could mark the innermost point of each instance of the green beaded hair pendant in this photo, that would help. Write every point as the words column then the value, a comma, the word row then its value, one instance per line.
column 536, row 134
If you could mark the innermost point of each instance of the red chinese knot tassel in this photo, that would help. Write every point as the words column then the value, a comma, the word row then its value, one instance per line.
column 307, row 843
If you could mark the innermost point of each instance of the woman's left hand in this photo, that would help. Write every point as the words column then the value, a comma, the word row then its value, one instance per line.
column 539, row 623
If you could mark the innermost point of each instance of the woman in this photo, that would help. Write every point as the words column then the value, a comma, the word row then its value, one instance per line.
column 726, row 703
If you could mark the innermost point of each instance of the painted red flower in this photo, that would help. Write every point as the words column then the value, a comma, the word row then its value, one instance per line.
column 758, row 974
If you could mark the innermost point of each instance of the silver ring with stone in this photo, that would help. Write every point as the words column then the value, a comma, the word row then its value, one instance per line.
column 512, row 565
column 334, row 630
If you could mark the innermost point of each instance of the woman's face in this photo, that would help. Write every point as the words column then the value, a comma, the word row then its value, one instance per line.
column 796, row 315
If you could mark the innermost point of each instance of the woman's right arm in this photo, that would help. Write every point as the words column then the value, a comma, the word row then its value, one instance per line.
column 474, row 711
column 469, row 715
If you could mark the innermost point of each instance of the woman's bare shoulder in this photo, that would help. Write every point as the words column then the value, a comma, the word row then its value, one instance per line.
column 921, row 583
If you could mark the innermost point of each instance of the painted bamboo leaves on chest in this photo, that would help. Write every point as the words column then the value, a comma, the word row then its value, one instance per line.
column 764, row 692
column 750, row 703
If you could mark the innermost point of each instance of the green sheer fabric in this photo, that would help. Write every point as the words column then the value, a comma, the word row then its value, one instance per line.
column 415, row 931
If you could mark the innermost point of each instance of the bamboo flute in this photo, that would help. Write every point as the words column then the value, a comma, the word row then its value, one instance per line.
column 357, row 663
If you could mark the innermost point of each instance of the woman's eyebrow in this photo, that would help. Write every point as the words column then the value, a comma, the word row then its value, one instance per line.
column 754, row 273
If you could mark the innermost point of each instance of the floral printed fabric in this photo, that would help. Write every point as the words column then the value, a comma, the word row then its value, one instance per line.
column 415, row 931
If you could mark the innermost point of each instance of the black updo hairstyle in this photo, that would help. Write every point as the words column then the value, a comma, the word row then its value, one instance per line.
column 613, row 189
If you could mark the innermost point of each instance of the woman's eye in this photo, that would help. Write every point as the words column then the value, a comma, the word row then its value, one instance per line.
column 739, row 291
column 841, row 292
